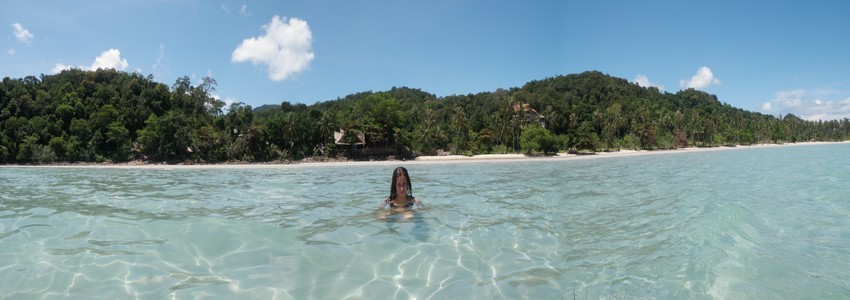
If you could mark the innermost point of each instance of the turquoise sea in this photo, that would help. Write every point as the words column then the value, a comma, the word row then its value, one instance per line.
column 757, row 223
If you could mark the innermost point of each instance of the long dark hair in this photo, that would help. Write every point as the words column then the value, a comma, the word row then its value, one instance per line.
column 396, row 173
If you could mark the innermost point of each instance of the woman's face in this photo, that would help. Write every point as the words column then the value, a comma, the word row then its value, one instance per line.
column 401, row 185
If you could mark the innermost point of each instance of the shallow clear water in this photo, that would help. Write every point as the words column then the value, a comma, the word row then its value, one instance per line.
column 751, row 223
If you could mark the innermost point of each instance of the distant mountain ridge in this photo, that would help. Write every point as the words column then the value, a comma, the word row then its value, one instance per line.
column 266, row 107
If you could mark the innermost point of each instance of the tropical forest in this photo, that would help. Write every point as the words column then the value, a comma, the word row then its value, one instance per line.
column 109, row 116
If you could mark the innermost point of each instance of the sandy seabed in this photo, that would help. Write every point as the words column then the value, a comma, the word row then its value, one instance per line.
column 482, row 158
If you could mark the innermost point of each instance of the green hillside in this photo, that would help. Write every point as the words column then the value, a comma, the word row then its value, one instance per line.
column 106, row 115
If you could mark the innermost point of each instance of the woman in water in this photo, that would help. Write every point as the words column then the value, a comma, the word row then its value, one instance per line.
column 401, row 198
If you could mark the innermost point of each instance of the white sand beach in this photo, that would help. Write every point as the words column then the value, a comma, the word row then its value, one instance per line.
column 482, row 158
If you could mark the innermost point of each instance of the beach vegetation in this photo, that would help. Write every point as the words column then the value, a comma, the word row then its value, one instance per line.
column 536, row 139
column 112, row 116
column 586, row 138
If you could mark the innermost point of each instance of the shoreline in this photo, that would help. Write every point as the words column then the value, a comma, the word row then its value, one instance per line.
column 421, row 160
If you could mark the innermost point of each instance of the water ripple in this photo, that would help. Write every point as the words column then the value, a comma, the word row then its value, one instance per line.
column 728, row 224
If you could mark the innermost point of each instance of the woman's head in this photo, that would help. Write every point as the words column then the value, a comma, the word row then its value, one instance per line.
column 401, row 183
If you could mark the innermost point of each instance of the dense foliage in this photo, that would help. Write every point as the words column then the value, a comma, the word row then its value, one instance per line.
column 107, row 115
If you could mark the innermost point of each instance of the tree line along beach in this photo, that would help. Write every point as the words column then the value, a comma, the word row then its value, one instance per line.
column 107, row 116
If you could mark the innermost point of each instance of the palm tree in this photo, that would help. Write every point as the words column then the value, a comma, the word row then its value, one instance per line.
column 290, row 129
column 327, row 126
column 550, row 118
column 571, row 129
column 515, row 125
column 500, row 125
column 460, row 123
column 428, row 131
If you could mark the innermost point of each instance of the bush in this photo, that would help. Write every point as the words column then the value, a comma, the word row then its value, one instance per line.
column 563, row 142
column 538, row 139
column 631, row 142
column 665, row 141
column 44, row 155
column 57, row 144
column 499, row 149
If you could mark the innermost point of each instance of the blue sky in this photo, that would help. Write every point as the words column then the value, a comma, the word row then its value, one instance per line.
column 766, row 56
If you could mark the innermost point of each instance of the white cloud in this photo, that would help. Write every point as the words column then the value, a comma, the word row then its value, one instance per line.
column 11, row 51
column 643, row 81
column 826, row 110
column 59, row 67
column 224, row 8
column 109, row 59
column 791, row 98
column 160, row 57
column 227, row 102
column 244, row 10
column 286, row 48
column 702, row 79
column 21, row 33
column 810, row 104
